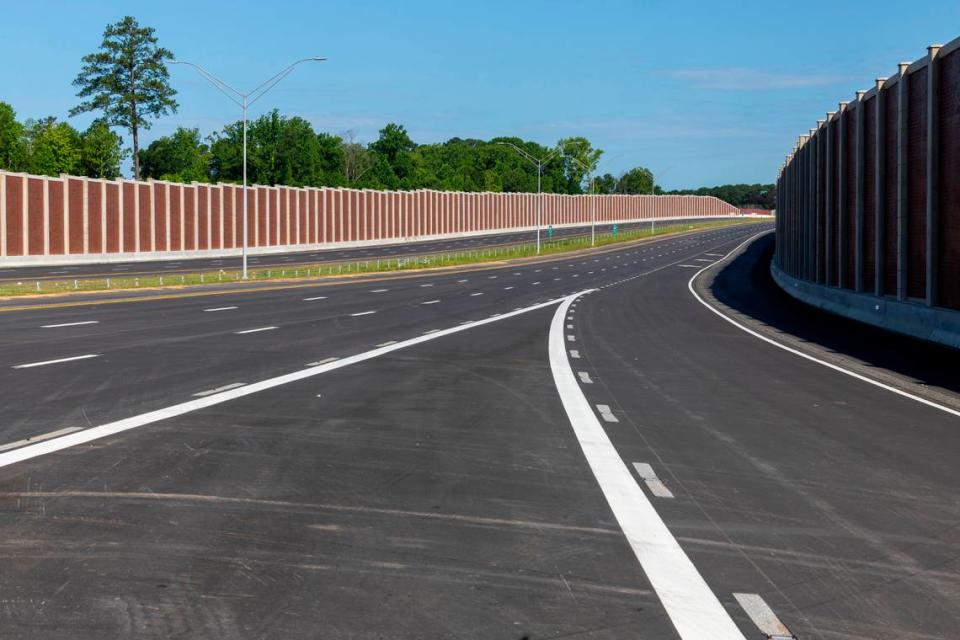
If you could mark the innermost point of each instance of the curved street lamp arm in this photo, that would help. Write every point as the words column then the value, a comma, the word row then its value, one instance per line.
column 269, row 83
column 222, row 86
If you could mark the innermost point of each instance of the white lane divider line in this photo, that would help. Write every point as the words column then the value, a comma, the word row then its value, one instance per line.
column 507, row 288
column 363, row 313
column 324, row 361
column 574, row 353
column 464, row 280
column 430, row 302
column 112, row 428
column 606, row 413
column 257, row 330
column 715, row 255
column 428, row 332
column 703, row 259
column 30, row 365
column 315, row 298
column 569, row 326
column 492, row 278
column 427, row 285
column 226, row 387
column 649, row 476
column 219, row 309
column 584, row 377
column 572, row 338
column 693, row 608
column 692, row 266
column 379, row 290
column 387, row 343
column 796, row 352
column 68, row 324
column 39, row 438
column 478, row 293
column 537, row 282
column 763, row 616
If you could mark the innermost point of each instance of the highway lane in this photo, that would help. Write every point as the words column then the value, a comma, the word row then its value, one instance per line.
column 294, row 259
column 154, row 353
column 439, row 490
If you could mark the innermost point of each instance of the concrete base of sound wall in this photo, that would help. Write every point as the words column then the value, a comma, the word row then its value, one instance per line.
column 907, row 317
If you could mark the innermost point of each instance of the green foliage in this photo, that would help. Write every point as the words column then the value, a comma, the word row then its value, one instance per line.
column 180, row 157
column 638, row 180
column 605, row 184
column 580, row 160
column 127, row 81
column 52, row 147
column 101, row 151
column 12, row 151
column 762, row 196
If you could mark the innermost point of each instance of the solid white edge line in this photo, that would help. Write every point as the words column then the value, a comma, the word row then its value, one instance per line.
column 210, row 392
column 119, row 426
column 39, row 438
column 694, row 610
column 68, row 324
column 30, row 365
column 797, row 352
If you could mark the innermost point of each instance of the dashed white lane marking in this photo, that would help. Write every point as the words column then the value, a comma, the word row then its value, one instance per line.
column 112, row 428
column 796, row 352
column 30, row 365
column 464, row 280
column 692, row 266
column 315, row 298
column 39, row 438
column 379, row 290
column 68, row 324
column 507, row 288
column 606, row 413
column 492, row 278
column 649, row 476
column 430, row 302
column 361, row 313
column 537, row 282
column 693, row 609
column 387, row 343
column 219, row 309
column 427, row 285
column 426, row 333
column 478, row 293
column 257, row 330
column 703, row 259
column 572, row 338
column 763, row 616
column 569, row 326
column 715, row 255
column 574, row 353
column 324, row 361
column 226, row 387
column 584, row 377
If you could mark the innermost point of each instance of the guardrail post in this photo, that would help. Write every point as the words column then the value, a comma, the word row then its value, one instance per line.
column 932, row 239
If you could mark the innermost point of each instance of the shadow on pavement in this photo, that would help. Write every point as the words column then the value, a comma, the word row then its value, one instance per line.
column 746, row 286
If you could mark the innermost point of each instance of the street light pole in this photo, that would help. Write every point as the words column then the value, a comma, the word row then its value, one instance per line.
column 244, row 100
column 538, row 162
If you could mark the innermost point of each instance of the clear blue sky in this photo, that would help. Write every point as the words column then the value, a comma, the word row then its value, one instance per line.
column 703, row 92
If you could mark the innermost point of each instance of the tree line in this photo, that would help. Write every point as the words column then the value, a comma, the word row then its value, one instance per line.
column 126, row 83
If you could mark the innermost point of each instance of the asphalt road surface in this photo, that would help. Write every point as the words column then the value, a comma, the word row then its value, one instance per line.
column 296, row 258
column 573, row 447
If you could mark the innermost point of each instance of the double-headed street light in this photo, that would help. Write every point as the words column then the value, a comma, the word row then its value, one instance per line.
column 244, row 100
column 539, row 163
